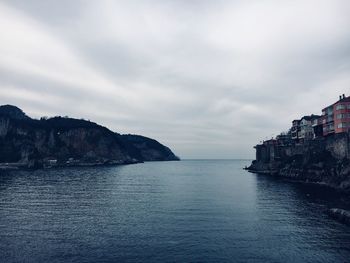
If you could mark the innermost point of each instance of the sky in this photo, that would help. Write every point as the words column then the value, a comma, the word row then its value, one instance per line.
column 209, row 79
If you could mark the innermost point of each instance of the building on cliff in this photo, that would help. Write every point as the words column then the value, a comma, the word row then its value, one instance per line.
column 284, row 138
column 316, row 149
column 306, row 127
column 303, row 129
column 317, row 126
column 342, row 115
column 328, row 132
column 295, row 130
column 328, row 120
column 336, row 117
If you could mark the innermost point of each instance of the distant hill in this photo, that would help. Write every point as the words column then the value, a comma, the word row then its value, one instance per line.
column 63, row 141
column 12, row 112
column 147, row 149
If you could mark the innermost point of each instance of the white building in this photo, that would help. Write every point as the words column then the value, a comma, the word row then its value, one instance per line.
column 306, row 127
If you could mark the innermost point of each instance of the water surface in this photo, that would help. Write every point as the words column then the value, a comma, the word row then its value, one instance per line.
column 188, row 211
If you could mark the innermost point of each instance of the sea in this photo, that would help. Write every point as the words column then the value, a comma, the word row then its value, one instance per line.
column 185, row 211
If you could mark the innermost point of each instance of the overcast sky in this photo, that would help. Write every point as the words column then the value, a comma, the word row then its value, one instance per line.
column 207, row 78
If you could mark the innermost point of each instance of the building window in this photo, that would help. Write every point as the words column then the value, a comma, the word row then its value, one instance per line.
column 329, row 119
column 340, row 107
column 342, row 125
column 341, row 116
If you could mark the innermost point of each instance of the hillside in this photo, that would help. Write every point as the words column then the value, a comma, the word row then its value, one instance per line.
column 63, row 141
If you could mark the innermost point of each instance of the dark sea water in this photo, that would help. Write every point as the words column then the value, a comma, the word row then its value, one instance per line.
column 188, row 211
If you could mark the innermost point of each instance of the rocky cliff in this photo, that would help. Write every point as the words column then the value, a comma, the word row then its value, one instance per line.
column 61, row 141
column 325, row 160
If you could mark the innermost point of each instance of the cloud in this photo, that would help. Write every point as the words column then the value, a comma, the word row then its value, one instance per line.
column 209, row 79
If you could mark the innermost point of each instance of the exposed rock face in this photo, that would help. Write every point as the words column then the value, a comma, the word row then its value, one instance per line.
column 65, row 141
column 326, row 161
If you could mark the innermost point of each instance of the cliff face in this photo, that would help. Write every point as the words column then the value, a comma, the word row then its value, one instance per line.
column 325, row 160
column 65, row 141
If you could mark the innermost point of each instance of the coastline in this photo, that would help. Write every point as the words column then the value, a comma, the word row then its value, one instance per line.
column 296, row 180
column 17, row 167
column 21, row 166
column 340, row 213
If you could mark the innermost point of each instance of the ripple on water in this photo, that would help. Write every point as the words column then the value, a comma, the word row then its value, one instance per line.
column 201, row 211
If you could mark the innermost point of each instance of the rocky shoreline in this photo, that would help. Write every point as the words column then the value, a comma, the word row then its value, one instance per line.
column 332, row 177
column 25, row 166
column 325, row 161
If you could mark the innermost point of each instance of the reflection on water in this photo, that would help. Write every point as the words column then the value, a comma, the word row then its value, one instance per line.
column 202, row 211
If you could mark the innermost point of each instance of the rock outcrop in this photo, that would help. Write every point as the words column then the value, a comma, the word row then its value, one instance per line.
column 63, row 141
column 340, row 215
column 325, row 160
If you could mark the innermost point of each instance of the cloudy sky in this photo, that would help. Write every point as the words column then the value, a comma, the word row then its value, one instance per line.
column 207, row 78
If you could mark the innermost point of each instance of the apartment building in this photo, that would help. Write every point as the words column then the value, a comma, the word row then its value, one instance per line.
column 306, row 128
column 336, row 117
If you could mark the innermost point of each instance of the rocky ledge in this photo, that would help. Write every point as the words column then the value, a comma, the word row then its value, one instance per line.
column 325, row 161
